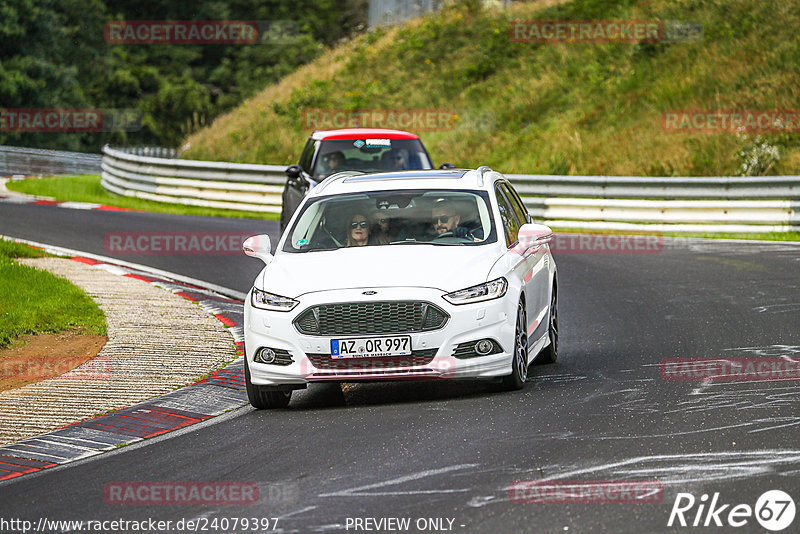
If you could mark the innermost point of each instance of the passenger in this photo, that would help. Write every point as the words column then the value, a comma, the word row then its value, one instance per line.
column 380, row 229
column 401, row 160
column 358, row 231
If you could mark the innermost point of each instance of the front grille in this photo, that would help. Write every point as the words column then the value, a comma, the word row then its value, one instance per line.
column 416, row 359
column 467, row 350
column 361, row 318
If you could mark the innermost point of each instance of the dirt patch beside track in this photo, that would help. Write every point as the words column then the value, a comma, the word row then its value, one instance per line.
column 38, row 357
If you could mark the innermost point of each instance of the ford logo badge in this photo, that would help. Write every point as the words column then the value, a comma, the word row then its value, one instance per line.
column 369, row 293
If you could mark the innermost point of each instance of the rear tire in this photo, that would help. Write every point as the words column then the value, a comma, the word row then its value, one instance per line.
column 519, row 365
column 265, row 397
column 550, row 352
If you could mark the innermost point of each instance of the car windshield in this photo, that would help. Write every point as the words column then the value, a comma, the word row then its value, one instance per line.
column 370, row 155
column 393, row 218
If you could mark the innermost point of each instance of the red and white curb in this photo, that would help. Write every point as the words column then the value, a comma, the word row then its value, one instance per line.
column 69, row 205
column 221, row 392
column 12, row 197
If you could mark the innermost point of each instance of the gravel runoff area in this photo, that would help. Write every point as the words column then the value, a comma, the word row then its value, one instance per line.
column 157, row 342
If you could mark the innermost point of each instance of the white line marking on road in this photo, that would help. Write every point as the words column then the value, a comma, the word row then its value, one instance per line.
column 360, row 491
column 300, row 511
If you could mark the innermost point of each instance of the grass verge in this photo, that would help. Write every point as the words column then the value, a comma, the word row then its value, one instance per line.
column 87, row 188
column 33, row 301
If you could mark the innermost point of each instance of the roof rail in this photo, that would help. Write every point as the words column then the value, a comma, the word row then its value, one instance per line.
column 335, row 177
column 481, row 171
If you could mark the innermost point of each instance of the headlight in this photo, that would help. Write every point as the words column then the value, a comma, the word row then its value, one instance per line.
column 268, row 301
column 488, row 291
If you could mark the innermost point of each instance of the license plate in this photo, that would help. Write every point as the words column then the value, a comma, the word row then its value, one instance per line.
column 371, row 347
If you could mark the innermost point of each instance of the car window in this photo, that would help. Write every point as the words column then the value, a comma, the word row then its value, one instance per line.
column 370, row 155
column 393, row 217
column 510, row 223
column 516, row 203
column 307, row 156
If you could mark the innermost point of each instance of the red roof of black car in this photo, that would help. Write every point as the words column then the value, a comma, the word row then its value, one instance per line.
column 361, row 133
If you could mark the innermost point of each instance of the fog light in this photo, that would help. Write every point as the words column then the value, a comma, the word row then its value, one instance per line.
column 265, row 355
column 484, row 347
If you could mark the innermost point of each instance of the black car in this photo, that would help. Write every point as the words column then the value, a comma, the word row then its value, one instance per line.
column 356, row 149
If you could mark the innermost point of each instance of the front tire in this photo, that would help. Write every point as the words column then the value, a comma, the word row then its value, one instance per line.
column 265, row 397
column 519, row 365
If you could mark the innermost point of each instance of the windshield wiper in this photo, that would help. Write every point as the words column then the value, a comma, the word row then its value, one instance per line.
column 319, row 249
column 415, row 242
column 409, row 242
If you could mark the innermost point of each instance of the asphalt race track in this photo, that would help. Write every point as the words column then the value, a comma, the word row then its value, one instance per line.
column 450, row 450
column 90, row 231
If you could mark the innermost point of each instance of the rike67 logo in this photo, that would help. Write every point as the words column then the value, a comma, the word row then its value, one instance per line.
column 774, row 510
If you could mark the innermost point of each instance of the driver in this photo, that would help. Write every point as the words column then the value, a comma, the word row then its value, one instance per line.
column 335, row 161
column 393, row 160
column 446, row 220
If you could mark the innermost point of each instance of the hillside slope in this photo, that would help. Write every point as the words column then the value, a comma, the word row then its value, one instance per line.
column 560, row 108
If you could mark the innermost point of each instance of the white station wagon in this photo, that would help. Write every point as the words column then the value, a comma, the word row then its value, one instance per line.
column 435, row 274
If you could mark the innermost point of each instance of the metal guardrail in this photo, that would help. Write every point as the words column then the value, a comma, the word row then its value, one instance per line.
column 730, row 216
column 706, row 187
column 28, row 161
column 704, row 204
column 232, row 186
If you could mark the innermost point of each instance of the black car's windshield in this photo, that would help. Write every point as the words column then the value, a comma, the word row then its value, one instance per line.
column 370, row 155
column 393, row 218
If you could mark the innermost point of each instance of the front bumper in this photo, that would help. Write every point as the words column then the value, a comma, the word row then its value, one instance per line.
column 433, row 350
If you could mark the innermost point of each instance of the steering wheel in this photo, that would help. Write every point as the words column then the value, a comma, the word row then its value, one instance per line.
column 446, row 234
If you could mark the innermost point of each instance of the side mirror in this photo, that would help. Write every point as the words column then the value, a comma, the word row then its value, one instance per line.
column 447, row 166
column 531, row 236
column 293, row 172
column 258, row 246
